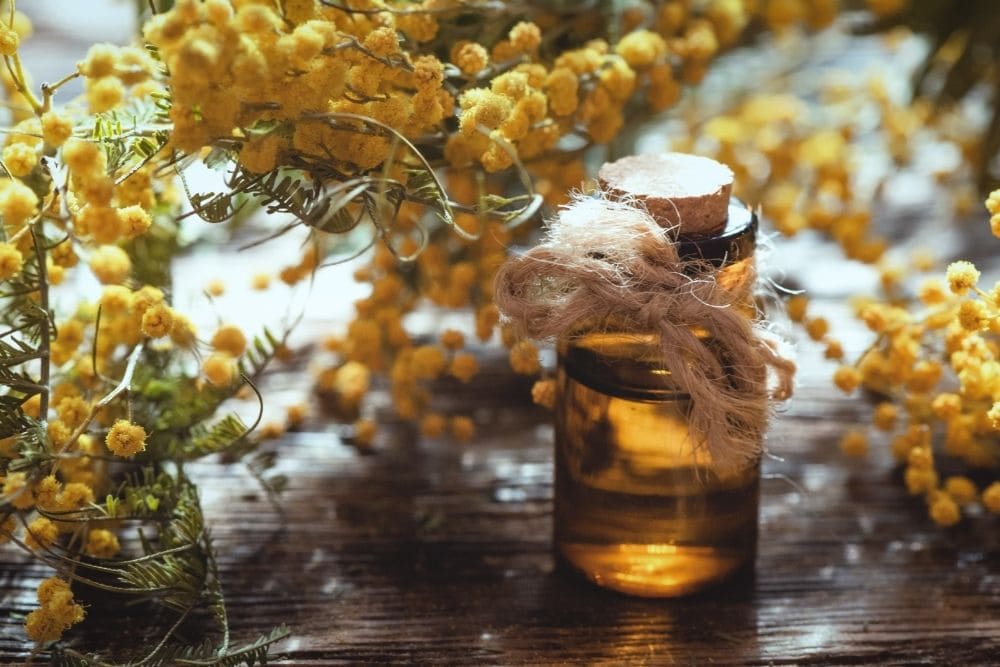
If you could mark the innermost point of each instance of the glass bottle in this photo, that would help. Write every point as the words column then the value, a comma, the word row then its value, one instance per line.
column 639, row 507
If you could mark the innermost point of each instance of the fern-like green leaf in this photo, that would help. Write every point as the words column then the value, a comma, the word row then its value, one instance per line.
column 207, row 440
column 260, row 353
column 131, row 135
column 254, row 653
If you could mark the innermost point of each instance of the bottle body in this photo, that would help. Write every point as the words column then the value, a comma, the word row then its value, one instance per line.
column 639, row 506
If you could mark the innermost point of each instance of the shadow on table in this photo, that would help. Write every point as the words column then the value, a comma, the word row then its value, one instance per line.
column 441, row 552
column 717, row 626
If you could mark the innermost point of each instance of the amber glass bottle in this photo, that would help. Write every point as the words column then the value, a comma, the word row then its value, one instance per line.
column 640, row 507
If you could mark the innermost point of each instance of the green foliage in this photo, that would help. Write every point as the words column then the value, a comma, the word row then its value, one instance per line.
column 149, row 493
column 12, row 419
column 188, row 405
column 206, row 654
column 23, row 325
column 254, row 653
column 16, row 352
column 214, row 207
column 178, row 571
column 180, row 410
column 204, row 440
column 335, row 198
column 32, row 447
column 153, row 252
column 260, row 353
column 131, row 135
column 14, row 355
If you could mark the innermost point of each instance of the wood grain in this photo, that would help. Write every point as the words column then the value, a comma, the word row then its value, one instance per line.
column 433, row 552
column 439, row 553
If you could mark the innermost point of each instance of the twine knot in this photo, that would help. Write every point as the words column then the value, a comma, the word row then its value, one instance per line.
column 608, row 262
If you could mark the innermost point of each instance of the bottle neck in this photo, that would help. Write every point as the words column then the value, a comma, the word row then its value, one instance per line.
column 727, row 255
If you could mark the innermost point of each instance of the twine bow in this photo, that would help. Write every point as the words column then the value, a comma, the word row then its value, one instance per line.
column 609, row 261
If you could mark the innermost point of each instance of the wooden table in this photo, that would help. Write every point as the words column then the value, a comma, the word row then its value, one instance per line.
column 440, row 553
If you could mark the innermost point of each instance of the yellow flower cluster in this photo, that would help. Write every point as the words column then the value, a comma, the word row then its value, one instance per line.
column 48, row 495
column 543, row 393
column 459, row 277
column 126, row 439
column 234, row 65
column 41, row 534
column 939, row 365
column 72, row 191
column 221, row 367
column 11, row 261
column 279, row 79
column 528, row 108
column 109, row 70
column 105, row 211
column 515, row 102
column 58, row 611
column 808, row 183
column 302, row 83
column 54, row 496
column 102, row 543
column 127, row 316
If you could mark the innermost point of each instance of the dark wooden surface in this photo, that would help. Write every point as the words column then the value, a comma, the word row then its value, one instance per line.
column 433, row 552
column 438, row 552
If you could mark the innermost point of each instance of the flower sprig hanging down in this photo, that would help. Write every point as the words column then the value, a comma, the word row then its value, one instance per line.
column 409, row 88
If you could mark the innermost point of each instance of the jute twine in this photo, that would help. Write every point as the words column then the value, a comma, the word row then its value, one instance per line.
column 608, row 261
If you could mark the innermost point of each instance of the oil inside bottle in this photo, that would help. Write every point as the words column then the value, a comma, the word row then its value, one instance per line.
column 639, row 506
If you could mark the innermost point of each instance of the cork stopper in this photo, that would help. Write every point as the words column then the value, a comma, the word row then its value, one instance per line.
column 688, row 192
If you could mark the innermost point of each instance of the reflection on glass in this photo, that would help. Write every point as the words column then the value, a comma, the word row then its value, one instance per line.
column 639, row 507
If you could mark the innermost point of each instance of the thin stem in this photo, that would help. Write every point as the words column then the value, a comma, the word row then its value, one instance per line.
column 16, row 70
column 163, row 642
column 220, row 605
column 116, row 570
column 126, row 380
column 93, row 348
column 43, row 301
column 48, row 90
column 21, row 232
column 87, row 580
column 122, row 386
column 133, row 359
